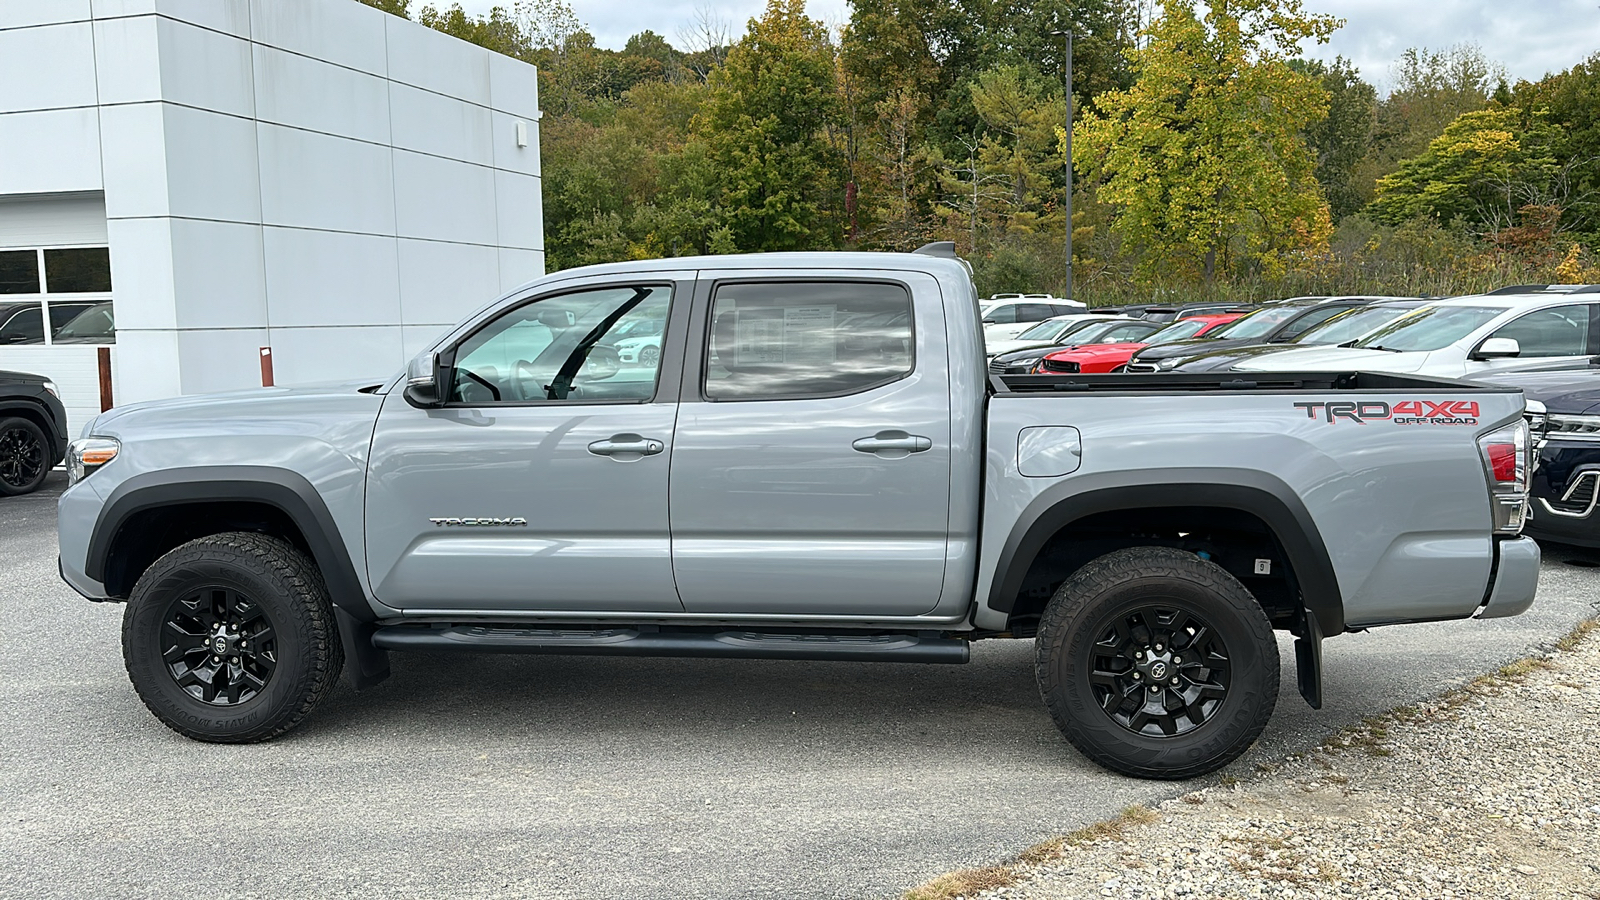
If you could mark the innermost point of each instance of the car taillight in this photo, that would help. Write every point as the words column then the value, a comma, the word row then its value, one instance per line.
column 1507, row 466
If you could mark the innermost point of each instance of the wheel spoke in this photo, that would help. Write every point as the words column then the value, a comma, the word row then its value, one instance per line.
column 1189, row 671
column 211, row 613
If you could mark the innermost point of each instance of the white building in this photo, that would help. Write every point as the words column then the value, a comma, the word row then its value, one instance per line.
column 313, row 176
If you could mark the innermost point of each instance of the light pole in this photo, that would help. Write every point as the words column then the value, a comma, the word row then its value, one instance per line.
column 1067, row 35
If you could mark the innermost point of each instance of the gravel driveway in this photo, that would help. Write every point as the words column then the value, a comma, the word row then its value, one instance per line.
column 1491, row 792
column 582, row 777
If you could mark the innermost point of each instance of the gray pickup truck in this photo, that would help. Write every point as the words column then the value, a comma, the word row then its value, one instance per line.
column 813, row 464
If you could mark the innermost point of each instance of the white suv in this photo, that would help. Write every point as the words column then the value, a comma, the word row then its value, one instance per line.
column 1007, row 315
column 1515, row 328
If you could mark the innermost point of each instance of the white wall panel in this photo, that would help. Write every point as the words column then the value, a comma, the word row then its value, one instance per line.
column 441, row 283
column 514, row 87
column 211, row 165
column 50, row 152
column 127, row 60
column 443, row 200
column 350, row 34
column 301, row 355
column 314, row 180
column 307, row 93
column 323, row 278
column 141, row 273
column 47, row 68
column 146, row 365
column 25, row 13
column 227, row 16
column 432, row 60
column 134, row 139
column 417, row 338
column 519, row 210
column 518, row 267
column 219, row 278
column 439, row 125
column 507, row 155
column 218, row 359
column 52, row 221
column 206, row 69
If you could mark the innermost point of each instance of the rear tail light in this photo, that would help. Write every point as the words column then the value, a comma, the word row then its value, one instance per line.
column 1507, row 467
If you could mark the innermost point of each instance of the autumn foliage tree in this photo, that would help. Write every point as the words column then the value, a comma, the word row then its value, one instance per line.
column 1204, row 156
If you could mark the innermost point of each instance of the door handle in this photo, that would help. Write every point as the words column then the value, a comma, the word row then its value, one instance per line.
column 627, row 444
column 893, row 443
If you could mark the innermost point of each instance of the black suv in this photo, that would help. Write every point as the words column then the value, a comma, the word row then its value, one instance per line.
column 33, row 431
column 1564, row 418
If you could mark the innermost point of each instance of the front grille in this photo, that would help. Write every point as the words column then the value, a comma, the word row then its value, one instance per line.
column 1060, row 365
column 996, row 367
column 1145, row 368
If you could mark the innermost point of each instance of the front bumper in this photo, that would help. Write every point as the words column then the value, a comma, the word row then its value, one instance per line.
column 1516, row 579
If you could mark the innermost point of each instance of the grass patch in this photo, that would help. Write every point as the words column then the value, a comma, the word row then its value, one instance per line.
column 968, row 882
column 1576, row 636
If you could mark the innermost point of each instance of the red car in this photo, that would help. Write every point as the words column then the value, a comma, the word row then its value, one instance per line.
column 1114, row 357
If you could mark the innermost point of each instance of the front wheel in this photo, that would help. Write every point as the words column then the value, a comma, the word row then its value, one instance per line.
column 1156, row 663
column 230, row 638
column 24, row 457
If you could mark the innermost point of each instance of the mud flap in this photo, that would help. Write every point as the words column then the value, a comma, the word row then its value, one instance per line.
column 1308, row 659
column 367, row 663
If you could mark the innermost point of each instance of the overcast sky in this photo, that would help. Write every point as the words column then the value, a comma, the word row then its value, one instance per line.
column 1531, row 37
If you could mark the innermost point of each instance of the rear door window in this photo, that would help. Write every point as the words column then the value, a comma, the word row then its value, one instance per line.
column 1560, row 331
column 800, row 340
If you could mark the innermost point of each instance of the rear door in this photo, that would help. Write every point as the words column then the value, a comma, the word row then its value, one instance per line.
column 811, row 464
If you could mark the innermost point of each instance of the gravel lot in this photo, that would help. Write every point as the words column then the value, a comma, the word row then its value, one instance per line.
column 572, row 777
column 1492, row 792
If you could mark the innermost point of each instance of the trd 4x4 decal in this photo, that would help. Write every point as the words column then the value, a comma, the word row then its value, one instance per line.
column 1407, row 412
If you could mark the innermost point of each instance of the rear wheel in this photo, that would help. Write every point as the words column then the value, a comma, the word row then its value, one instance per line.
column 24, row 457
column 1156, row 663
column 230, row 638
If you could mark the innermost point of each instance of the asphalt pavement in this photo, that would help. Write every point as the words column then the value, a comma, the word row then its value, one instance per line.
column 482, row 776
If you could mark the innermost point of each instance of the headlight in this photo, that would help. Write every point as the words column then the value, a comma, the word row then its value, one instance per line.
column 51, row 387
column 1170, row 362
column 1568, row 428
column 87, row 455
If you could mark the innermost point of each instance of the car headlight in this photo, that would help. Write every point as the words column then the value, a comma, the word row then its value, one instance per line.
column 51, row 387
column 86, row 455
column 1170, row 362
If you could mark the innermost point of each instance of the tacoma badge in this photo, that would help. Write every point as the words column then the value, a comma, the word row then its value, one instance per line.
column 451, row 521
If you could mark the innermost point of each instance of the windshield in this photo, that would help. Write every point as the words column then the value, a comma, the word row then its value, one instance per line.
column 1351, row 325
column 1429, row 328
column 1050, row 329
column 1177, row 331
column 1259, row 323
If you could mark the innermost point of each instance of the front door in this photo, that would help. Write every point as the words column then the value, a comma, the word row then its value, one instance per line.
column 811, row 465
column 542, row 482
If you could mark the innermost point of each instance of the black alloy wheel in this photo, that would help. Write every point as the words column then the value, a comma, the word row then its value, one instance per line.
column 231, row 638
column 1159, row 670
column 220, row 645
column 24, row 457
column 1156, row 663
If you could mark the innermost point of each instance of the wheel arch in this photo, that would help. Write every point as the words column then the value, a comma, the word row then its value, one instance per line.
column 148, row 514
column 1254, row 494
column 37, row 413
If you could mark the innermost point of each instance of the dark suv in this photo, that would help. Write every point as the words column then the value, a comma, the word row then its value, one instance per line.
column 33, row 431
column 1564, row 415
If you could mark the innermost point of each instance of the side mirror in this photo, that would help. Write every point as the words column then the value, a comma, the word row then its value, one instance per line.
column 425, row 383
column 602, row 362
column 556, row 319
column 988, row 321
column 1497, row 348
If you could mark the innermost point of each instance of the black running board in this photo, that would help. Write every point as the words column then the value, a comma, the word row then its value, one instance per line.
column 638, row 642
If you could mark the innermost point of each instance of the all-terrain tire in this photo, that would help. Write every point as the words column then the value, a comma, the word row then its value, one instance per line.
column 24, row 456
column 1205, row 710
column 276, row 592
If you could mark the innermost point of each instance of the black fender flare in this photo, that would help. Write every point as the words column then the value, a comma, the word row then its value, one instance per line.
column 288, row 492
column 1264, row 496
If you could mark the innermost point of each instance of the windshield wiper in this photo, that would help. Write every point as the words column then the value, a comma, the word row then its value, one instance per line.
column 1383, row 348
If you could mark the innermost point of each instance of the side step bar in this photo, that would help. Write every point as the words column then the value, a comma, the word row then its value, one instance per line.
column 640, row 642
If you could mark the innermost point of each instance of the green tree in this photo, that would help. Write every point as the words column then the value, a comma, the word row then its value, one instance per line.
column 767, row 126
column 498, row 31
column 401, row 8
column 1484, row 169
column 1203, row 157
column 1341, row 140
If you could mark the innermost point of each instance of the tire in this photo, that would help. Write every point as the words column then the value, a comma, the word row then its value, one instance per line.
column 649, row 356
column 24, row 457
column 1095, row 658
column 215, row 686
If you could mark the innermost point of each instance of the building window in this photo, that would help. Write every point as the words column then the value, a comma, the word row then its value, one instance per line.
column 68, row 287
